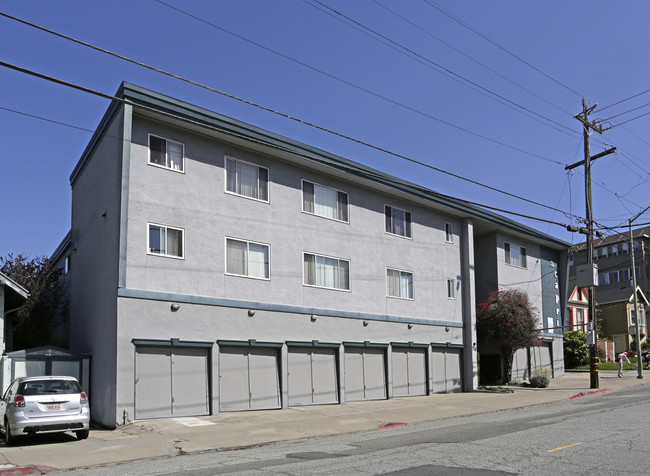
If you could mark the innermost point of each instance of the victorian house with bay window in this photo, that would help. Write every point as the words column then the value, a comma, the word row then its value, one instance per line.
column 221, row 267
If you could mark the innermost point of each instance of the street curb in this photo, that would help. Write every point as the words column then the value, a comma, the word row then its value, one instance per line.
column 592, row 392
column 25, row 470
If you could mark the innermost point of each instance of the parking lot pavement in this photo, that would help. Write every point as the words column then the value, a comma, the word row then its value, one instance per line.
column 175, row 436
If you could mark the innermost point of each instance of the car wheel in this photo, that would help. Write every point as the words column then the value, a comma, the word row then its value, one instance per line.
column 82, row 434
column 9, row 439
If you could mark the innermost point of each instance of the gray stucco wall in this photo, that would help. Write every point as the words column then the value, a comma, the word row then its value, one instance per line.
column 95, row 250
column 196, row 201
column 527, row 279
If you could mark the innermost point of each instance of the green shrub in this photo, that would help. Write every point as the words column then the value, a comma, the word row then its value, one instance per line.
column 576, row 350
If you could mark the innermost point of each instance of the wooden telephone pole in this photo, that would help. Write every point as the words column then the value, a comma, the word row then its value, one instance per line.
column 596, row 126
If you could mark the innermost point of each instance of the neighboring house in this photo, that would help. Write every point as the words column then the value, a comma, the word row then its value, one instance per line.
column 578, row 307
column 614, row 294
column 12, row 297
column 619, row 323
column 220, row 267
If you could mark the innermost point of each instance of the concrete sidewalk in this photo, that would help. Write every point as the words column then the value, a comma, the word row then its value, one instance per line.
column 176, row 436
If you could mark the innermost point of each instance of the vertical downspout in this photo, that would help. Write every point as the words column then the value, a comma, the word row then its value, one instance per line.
column 470, row 360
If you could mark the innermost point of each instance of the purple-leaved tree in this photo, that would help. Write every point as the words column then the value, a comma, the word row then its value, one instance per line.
column 38, row 322
column 507, row 320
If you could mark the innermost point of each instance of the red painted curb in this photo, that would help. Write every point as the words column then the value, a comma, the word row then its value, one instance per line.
column 391, row 425
column 25, row 470
column 593, row 392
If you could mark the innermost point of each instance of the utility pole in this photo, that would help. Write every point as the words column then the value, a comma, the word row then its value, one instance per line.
column 586, row 125
column 637, row 315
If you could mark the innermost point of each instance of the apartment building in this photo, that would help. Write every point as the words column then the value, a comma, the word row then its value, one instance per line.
column 217, row 267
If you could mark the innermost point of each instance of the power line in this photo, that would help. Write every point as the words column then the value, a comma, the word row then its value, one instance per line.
column 485, row 37
column 287, row 116
column 532, row 93
column 630, row 120
column 625, row 112
column 437, row 67
column 623, row 100
column 124, row 101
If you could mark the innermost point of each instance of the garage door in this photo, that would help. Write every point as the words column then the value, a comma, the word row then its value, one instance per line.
column 171, row 381
column 313, row 376
column 446, row 371
column 409, row 371
column 249, row 378
column 365, row 373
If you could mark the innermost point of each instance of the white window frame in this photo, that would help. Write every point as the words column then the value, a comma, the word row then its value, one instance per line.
column 579, row 319
column 633, row 319
column 449, row 233
column 166, row 166
column 451, row 288
column 339, row 260
column 408, row 230
column 603, row 278
column 614, row 277
column 247, row 266
column 166, row 227
column 401, row 272
column 507, row 249
column 259, row 167
column 316, row 186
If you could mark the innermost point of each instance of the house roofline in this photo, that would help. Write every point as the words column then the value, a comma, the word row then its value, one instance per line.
column 63, row 246
column 13, row 285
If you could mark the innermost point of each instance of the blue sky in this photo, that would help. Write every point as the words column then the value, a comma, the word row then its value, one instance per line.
column 483, row 90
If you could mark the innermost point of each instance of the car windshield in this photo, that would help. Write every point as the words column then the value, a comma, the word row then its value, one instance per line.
column 46, row 387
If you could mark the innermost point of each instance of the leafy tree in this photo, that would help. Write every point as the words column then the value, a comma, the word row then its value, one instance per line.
column 576, row 350
column 40, row 318
column 507, row 320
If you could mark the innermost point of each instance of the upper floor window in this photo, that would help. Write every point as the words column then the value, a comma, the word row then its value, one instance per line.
column 246, row 179
column 165, row 241
column 618, row 276
column 399, row 283
column 324, row 201
column 614, row 250
column 580, row 317
column 245, row 258
column 449, row 233
column 515, row 255
column 166, row 153
column 398, row 221
column 451, row 288
column 326, row 272
column 633, row 318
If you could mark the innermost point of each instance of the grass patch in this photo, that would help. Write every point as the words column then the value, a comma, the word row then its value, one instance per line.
column 612, row 365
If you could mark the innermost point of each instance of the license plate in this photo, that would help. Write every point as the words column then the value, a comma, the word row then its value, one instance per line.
column 52, row 407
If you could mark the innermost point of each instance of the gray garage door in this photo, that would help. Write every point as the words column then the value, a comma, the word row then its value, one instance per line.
column 409, row 371
column 446, row 371
column 171, row 382
column 249, row 378
column 365, row 373
column 313, row 376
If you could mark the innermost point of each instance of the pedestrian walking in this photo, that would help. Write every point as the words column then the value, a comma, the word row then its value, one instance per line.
column 619, row 359
column 647, row 360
